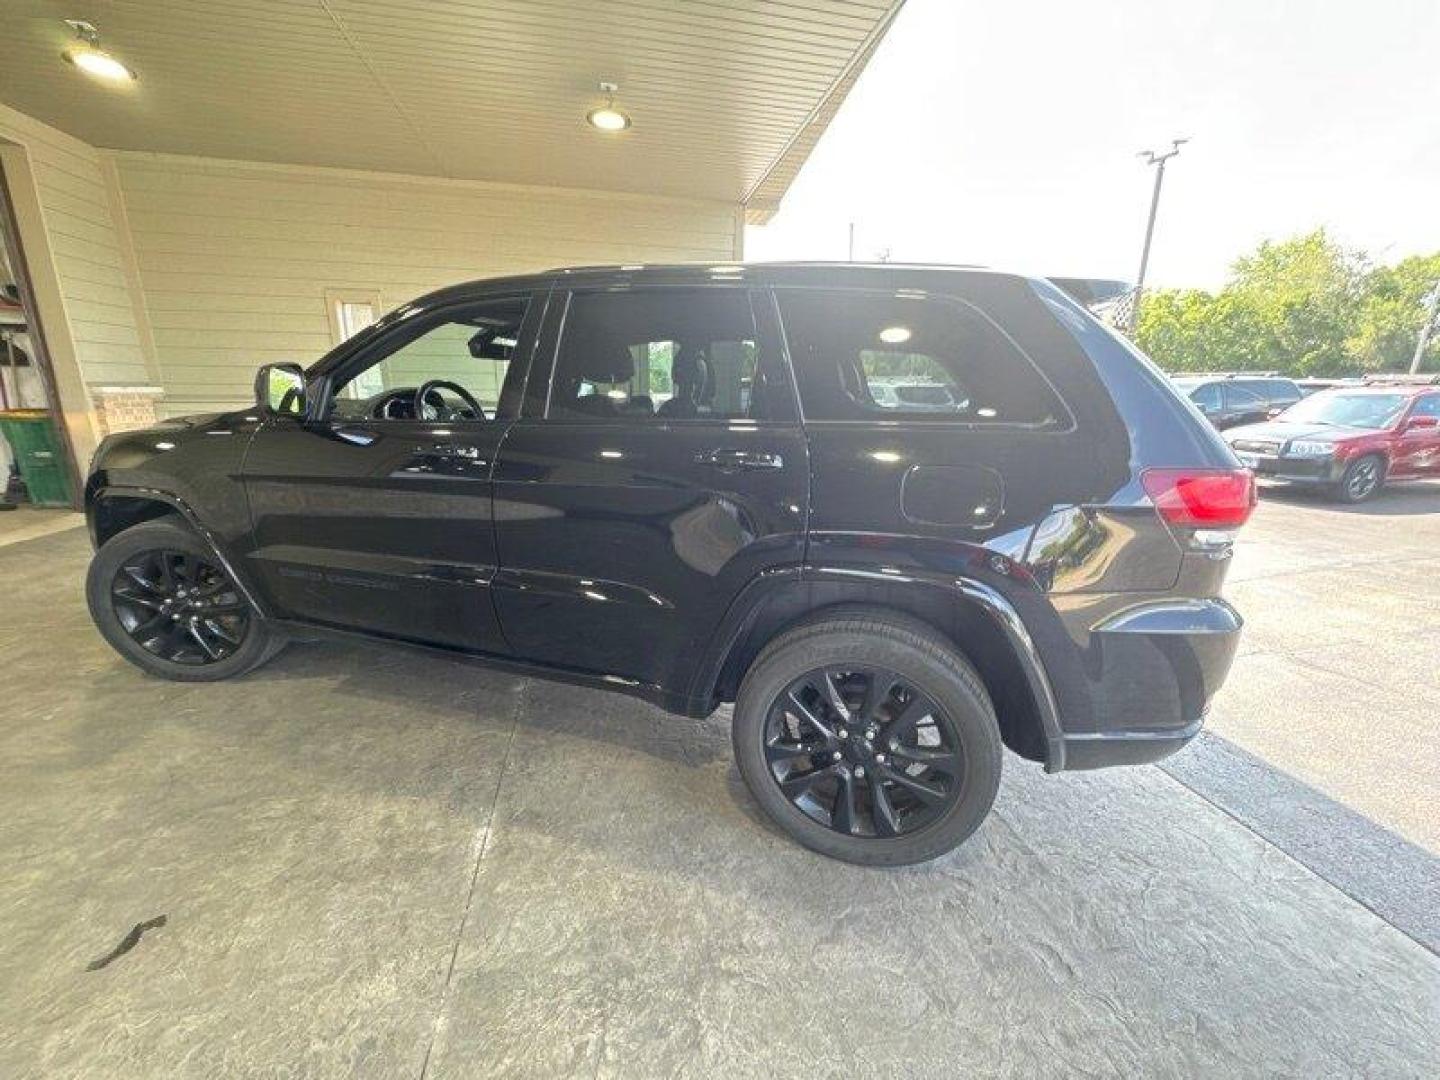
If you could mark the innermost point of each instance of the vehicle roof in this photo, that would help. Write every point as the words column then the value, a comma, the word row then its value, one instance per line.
column 1197, row 381
column 759, row 273
column 876, row 275
column 1392, row 388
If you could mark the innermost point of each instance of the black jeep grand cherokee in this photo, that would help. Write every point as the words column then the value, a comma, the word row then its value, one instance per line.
column 899, row 516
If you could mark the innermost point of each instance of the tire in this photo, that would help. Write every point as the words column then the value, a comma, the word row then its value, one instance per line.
column 1362, row 478
column 963, row 723
column 223, row 612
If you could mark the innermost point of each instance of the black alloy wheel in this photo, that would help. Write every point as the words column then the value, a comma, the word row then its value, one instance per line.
column 179, row 607
column 864, row 752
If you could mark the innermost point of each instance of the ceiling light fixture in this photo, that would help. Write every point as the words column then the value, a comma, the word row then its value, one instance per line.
column 91, row 59
column 607, row 117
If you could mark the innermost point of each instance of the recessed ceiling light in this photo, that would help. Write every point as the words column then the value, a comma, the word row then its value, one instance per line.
column 93, row 60
column 607, row 117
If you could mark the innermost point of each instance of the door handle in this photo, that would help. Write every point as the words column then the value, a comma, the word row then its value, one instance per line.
column 735, row 460
column 355, row 436
column 456, row 450
column 444, row 455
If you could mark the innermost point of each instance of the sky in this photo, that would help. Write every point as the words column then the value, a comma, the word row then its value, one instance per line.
column 1006, row 134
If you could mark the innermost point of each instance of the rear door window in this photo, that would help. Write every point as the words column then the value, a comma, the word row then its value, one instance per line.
column 664, row 354
column 883, row 356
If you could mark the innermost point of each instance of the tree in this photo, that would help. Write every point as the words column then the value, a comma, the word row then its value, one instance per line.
column 1304, row 306
column 1383, row 338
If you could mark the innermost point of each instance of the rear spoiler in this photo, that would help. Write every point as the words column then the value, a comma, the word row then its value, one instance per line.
column 1092, row 292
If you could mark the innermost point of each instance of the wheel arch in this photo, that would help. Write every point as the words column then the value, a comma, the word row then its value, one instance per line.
column 975, row 619
column 111, row 513
column 110, row 510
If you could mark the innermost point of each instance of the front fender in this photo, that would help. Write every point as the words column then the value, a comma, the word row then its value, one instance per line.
column 194, row 467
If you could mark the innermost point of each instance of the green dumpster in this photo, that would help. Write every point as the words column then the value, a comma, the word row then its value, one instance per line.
column 36, row 448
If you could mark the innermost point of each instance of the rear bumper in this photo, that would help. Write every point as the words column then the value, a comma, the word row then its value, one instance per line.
column 1154, row 669
column 1105, row 748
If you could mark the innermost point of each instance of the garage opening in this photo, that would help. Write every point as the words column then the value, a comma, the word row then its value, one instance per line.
column 37, row 472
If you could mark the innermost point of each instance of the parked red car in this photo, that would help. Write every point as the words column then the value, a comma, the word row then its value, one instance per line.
column 1349, row 441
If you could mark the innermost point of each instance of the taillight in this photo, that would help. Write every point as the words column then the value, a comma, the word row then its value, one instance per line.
column 1201, row 498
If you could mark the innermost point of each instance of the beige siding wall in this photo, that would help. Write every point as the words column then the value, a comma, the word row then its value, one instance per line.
column 235, row 258
column 85, row 251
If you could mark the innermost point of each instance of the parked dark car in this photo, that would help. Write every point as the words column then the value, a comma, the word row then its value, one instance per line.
column 676, row 482
column 1310, row 386
column 1349, row 442
column 1231, row 400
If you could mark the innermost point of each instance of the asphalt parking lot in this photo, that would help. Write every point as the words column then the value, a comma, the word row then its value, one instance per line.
column 378, row 863
column 1336, row 680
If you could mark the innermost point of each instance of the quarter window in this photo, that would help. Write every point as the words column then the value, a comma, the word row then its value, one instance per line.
column 1237, row 397
column 1429, row 405
column 1283, row 392
column 1207, row 397
column 871, row 356
column 658, row 355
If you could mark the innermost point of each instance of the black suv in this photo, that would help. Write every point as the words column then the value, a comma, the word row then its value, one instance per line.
column 1231, row 400
column 687, row 484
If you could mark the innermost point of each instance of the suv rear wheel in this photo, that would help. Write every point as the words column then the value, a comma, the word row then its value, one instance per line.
column 163, row 601
column 868, row 739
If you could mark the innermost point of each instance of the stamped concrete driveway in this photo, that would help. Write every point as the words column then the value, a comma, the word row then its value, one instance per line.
column 375, row 863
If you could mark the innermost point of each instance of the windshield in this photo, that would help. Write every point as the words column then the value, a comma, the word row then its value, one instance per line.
column 1347, row 410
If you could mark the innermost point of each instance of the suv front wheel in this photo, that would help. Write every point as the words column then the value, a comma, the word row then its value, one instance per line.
column 163, row 601
column 868, row 739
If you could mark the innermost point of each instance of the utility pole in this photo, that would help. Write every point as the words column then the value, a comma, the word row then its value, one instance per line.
column 1432, row 306
column 850, row 255
column 1158, row 160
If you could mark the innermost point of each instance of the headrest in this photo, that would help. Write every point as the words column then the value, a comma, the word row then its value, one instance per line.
column 607, row 362
column 689, row 368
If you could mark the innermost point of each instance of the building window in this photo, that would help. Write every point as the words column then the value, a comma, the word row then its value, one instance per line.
column 351, row 311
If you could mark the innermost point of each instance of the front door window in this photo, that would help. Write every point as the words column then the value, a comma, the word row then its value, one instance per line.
column 461, row 359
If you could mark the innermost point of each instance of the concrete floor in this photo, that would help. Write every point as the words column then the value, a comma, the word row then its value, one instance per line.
column 27, row 522
column 373, row 863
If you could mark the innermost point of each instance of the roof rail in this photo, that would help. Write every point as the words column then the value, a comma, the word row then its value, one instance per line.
column 1401, row 379
column 1230, row 374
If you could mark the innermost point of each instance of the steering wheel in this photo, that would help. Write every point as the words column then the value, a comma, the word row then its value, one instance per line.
column 423, row 402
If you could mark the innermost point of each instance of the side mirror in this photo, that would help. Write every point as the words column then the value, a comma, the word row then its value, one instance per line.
column 1423, row 422
column 280, row 390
